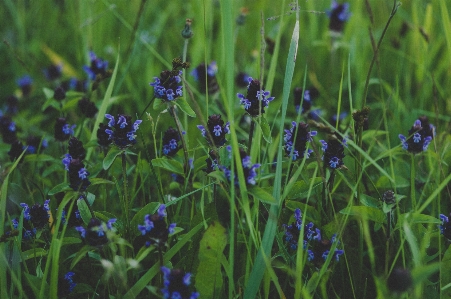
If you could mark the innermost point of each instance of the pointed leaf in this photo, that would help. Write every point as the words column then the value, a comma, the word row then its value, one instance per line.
column 168, row 164
column 185, row 107
column 369, row 213
column 59, row 188
column 111, row 156
column 266, row 130
column 262, row 195
column 85, row 213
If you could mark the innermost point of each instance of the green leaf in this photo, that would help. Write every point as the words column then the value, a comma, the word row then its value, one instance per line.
column 219, row 175
column 301, row 188
column 368, row 213
column 70, row 241
column 35, row 252
column 59, row 188
column 35, row 282
column 445, row 274
column 111, row 156
column 168, row 164
column 266, row 130
column 262, row 195
column 98, row 181
column 200, row 163
column 150, row 208
column 209, row 278
column 369, row 201
column 185, row 107
column 80, row 254
column 85, row 213
column 38, row 158
column 48, row 93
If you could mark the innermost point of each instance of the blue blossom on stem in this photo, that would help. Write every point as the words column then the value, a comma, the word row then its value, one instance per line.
column 170, row 141
column 122, row 132
column 97, row 66
column 66, row 285
column 155, row 231
column 297, row 149
column 176, row 284
column 419, row 138
column 305, row 97
column 25, row 83
column 8, row 129
column 35, row 218
column 249, row 169
column 333, row 151
column 96, row 232
column 166, row 87
column 63, row 130
column 78, row 175
column 445, row 227
column 206, row 75
column 216, row 129
column 338, row 14
column 256, row 99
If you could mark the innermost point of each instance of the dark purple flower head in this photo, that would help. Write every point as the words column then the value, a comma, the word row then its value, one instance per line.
column 256, row 100
column 297, row 148
column 166, row 87
column 122, row 131
column 171, row 140
column 242, row 79
column 206, row 75
column 96, row 67
column 305, row 97
column 103, row 138
column 249, row 169
column 216, row 129
column 419, row 137
column 176, row 284
column 34, row 218
column 333, row 151
column 75, row 84
column 400, row 280
column 34, row 143
column 59, row 93
column 16, row 150
column 212, row 162
column 87, row 107
column 63, row 130
column 338, row 14
column 66, row 285
column 155, row 231
column 12, row 104
column 76, row 149
column 25, row 83
column 445, row 228
column 8, row 129
column 96, row 232
column 53, row 72
column 78, row 175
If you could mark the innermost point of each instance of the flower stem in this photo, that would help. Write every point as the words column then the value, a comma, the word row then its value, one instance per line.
column 126, row 199
column 412, row 182
column 179, row 128
column 251, row 133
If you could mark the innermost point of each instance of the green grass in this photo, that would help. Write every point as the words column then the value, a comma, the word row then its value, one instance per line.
column 406, row 78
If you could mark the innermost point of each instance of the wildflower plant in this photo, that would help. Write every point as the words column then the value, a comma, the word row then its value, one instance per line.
column 176, row 284
column 256, row 99
column 419, row 138
column 155, row 231
column 35, row 218
column 296, row 141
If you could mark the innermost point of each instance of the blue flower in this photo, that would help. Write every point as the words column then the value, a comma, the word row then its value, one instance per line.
column 249, row 169
column 445, row 227
column 97, row 66
column 176, row 284
column 66, row 285
column 334, row 151
column 8, row 129
column 420, row 136
column 78, row 175
column 25, row 83
column 167, row 86
column 256, row 100
column 96, row 232
column 338, row 14
column 63, row 130
column 122, row 132
column 170, row 141
column 216, row 129
column 208, row 74
column 155, row 231
column 297, row 148
column 35, row 218
column 304, row 97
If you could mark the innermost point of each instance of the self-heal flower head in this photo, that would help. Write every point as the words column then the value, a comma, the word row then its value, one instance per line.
column 66, row 285
column 419, row 137
column 122, row 131
column 96, row 67
column 103, row 138
column 319, row 248
column 63, row 130
column 78, row 175
column 155, row 231
column 35, row 218
column 249, row 169
column 333, row 151
column 8, row 129
column 176, row 284
column 304, row 97
column 338, row 14
column 206, row 75
column 445, row 227
column 256, row 99
column 95, row 234
column 166, row 87
column 296, row 142
column 212, row 162
column 217, row 130
column 34, row 143
column 76, row 149
column 25, row 83
column 170, row 142
column 87, row 107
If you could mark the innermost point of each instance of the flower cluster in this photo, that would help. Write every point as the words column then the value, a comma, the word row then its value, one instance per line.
column 206, row 75
column 96, row 232
column 242, row 79
column 338, row 14
column 78, row 175
column 87, row 107
column 63, row 130
column 8, row 129
column 334, row 151
column 155, row 231
column 215, row 129
column 96, row 67
column 249, row 169
column 53, row 72
column 176, row 284
column 212, row 162
column 166, row 87
column 66, row 285
column 445, row 228
column 122, row 132
column 317, row 248
column 296, row 148
column 256, row 99
column 420, row 135
column 25, row 84
column 305, row 98
column 34, row 143
column 103, row 139
column 34, row 218
column 171, row 138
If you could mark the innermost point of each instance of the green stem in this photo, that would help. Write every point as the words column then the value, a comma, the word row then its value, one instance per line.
column 412, row 182
column 126, row 199
column 251, row 133
column 179, row 128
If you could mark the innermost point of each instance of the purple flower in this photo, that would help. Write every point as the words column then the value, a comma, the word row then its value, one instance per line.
column 249, row 169
column 333, row 151
column 338, row 14
column 176, row 284
column 122, row 132
column 170, row 141
column 420, row 136
column 155, row 231
column 96, row 232
column 35, row 218
column 63, row 130
column 216, row 129
column 97, row 66
column 296, row 148
column 206, row 75
column 256, row 99
column 166, row 87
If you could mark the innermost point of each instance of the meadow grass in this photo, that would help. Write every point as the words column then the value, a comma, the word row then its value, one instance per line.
column 370, row 220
